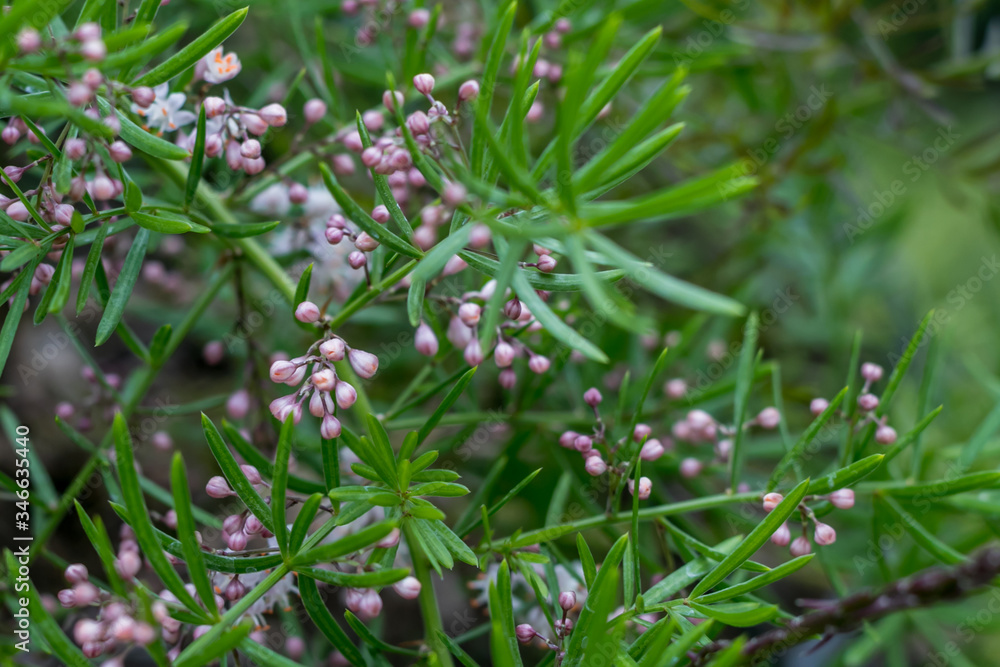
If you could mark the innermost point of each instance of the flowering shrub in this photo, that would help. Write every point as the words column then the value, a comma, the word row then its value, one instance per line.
column 428, row 236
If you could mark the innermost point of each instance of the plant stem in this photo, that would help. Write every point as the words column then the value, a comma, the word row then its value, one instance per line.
column 428, row 601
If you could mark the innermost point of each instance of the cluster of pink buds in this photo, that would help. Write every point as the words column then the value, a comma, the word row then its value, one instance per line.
column 463, row 331
column 232, row 130
column 237, row 529
column 84, row 42
column 698, row 427
column 315, row 375
column 867, row 404
column 823, row 534
column 337, row 229
column 99, row 403
column 526, row 634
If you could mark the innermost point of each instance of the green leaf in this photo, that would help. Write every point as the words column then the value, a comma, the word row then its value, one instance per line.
column 316, row 607
column 361, row 218
column 123, row 287
column 369, row 638
column 741, row 397
column 503, row 640
column 439, row 412
column 144, row 532
column 644, row 274
column 193, row 52
column 98, row 537
column 454, row 544
column 186, row 532
column 197, row 161
column 372, row 579
column 945, row 487
column 551, row 282
column 429, row 266
column 20, row 288
column 846, row 476
column 586, row 561
column 302, row 288
column 166, row 222
column 237, row 480
column 227, row 641
column 914, row 433
column 552, row 323
column 383, row 188
column 593, row 617
column 490, row 78
column 766, row 579
column 383, row 460
column 90, row 267
column 807, row 437
column 145, row 141
column 19, row 256
column 279, row 484
column 349, row 544
column 242, row 230
column 754, row 541
column 61, row 280
column 739, row 615
column 932, row 544
column 301, row 526
column 896, row 377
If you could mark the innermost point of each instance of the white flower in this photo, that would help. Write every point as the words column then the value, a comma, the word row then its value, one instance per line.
column 216, row 67
column 165, row 113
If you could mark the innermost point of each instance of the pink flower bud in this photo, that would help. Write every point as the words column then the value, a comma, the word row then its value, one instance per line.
column 333, row 349
column 800, row 546
column 418, row 123
column 824, row 535
column 371, row 605
column 232, row 523
column 425, row 341
column 871, row 372
column 818, row 405
column 218, row 487
column 87, row 630
column 235, row 590
column 371, row 156
column 645, row 487
column 255, row 124
column 253, row 526
column 274, row 115
column 373, row 120
column 771, row 501
column 94, row 50
column 690, row 467
column 28, row 40
column 407, row 588
column 79, row 93
column 380, row 214
column 424, row 83
column 143, row 96
column 454, row 193
column 567, row 439
column 250, row 149
column 314, row 110
column 842, row 499
column 391, row 98
column 546, row 263
column 769, row 418
column 102, row 188
column 583, row 443
column 418, row 18
column 357, row 259
column 237, row 541
column 508, row 378
column 885, row 435
column 352, row 140
column 468, row 91
column 567, row 600
column 162, row 441
column 11, row 134
column 119, row 151
column 238, row 404
column 365, row 243
column 143, row 634
column 251, row 473
column 281, row 371
column 503, row 355
column 525, row 633
column 651, row 450
column 867, row 402
column 782, row 536
column 539, row 364
column 473, row 353
column 334, row 235
column 127, row 564
column 307, row 312
column 469, row 313
column 595, row 466
column 346, row 395
column 675, row 388
column 75, row 573
column 364, row 363
column 298, row 193
column 592, row 397
column 453, row 266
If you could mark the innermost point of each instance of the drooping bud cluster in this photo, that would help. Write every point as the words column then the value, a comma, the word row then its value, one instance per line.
column 315, row 376
column 823, row 534
column 867, row 404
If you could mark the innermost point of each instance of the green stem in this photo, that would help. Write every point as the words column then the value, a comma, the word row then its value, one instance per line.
column 428, row 601
column 697, row 504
